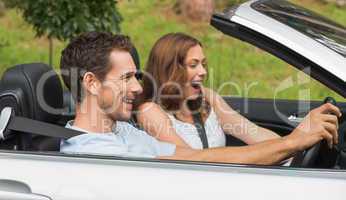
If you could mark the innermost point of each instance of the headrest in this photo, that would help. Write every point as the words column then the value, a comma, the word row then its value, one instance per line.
column 33, row 91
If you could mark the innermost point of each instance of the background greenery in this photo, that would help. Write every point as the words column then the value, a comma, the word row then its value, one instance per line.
column 232, row 61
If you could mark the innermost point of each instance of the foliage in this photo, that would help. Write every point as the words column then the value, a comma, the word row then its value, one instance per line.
column 64, row 19
column 146, row 20
column 234, row 2
column 222, row 4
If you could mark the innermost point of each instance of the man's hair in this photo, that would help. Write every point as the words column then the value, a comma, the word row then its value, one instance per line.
column 89, row 52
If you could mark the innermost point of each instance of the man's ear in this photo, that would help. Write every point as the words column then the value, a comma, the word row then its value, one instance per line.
column 91, row 83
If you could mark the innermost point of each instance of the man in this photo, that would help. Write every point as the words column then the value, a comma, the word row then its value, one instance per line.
column 106, row 87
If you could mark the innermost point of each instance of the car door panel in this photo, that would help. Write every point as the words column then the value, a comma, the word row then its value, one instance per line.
column 77, row 178
column 15, row 190
column 280, row 116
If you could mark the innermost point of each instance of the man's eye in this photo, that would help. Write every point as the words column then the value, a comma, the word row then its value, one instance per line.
column 139, row 75
column 127, row 78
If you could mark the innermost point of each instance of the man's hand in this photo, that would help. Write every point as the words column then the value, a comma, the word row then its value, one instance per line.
column 321, row 123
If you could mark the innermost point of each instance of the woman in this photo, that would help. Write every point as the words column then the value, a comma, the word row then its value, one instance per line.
column 174, row 94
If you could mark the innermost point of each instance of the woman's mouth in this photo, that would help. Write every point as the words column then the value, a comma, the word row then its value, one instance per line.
column 196, row 84
column 128, row 101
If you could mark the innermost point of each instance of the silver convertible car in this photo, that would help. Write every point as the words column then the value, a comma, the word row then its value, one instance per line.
column 34, row 113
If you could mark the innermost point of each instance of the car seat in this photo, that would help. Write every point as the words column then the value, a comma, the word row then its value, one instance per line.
column 33, row 91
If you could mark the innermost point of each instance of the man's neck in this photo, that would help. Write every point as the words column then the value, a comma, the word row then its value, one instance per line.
column 91, row 118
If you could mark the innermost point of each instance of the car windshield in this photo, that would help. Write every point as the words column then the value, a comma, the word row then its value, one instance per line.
column 309, row 23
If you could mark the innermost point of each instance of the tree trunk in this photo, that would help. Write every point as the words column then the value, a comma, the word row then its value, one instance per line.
column 2, row 8
column 337, row 2
column 50, row 52
column 196, row 10
column 341, row 2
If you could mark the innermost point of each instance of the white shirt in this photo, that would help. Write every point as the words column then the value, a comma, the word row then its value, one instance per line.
column 189, row 133
column 125, row 140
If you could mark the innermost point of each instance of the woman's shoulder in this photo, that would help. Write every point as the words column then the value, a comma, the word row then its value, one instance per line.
column 148, row 105
column 211, row 96
column 151, row 109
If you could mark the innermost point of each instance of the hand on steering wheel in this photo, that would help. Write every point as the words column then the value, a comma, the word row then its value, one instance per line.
column 308, row 157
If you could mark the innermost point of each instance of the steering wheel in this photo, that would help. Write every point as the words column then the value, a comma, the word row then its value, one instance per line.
column 308, row 157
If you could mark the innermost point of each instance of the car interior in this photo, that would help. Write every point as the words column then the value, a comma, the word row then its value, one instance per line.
column 18, row 91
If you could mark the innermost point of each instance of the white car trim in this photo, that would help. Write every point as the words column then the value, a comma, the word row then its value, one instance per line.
column 181, row 165
column 302, row 44
column 67, row 178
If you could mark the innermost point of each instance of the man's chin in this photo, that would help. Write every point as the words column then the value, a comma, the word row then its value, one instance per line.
column 122, row 117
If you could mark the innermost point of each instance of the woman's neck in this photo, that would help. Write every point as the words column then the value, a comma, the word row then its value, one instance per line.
column 184, row 114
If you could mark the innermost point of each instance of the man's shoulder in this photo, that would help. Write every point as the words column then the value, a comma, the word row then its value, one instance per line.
column 126, row 128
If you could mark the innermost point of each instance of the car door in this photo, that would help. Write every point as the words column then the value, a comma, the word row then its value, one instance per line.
column 63, row 177
column 278, row 115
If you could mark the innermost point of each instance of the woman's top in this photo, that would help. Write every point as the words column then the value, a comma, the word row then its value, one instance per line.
column 189, row 133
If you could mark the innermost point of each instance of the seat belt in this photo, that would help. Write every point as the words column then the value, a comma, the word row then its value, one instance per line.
column 9, row 123
column 197, row 119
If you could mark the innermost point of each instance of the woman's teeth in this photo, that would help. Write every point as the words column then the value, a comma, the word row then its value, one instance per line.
column 196, row 84
column 130, row 101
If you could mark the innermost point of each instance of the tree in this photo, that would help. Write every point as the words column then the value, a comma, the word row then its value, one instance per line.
column 64, row 19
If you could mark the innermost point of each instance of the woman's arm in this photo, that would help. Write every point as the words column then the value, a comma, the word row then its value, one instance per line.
column 235, row 124
column 324, row 127
column 156, row 123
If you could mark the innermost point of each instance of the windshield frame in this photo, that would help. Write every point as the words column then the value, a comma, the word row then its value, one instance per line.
column 307, row 22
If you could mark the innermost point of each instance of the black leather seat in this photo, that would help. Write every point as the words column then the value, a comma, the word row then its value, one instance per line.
column 33, row 91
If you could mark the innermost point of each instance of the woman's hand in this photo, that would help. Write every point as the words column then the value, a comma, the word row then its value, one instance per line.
column 321, row 123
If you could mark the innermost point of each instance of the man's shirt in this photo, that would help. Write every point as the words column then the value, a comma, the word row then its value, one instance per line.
column 125, row 140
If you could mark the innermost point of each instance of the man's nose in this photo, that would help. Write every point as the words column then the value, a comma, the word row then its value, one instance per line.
column 136, row 87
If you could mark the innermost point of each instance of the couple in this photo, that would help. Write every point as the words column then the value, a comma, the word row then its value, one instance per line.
column 107, row 88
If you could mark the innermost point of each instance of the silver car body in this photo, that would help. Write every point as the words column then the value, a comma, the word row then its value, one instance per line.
column 80, row 178
column 35, row 175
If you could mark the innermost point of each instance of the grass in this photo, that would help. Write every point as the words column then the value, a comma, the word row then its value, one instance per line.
column 235, row 68
column 19, row 45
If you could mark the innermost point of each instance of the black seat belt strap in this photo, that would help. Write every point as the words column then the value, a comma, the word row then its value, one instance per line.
column 197, row 118
column 27, row 125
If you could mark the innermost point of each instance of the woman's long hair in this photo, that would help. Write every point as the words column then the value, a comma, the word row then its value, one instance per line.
column 166, row 73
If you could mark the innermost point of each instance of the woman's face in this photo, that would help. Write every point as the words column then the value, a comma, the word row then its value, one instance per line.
column 195, row 64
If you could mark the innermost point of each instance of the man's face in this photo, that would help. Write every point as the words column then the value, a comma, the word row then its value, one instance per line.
column 120, row 87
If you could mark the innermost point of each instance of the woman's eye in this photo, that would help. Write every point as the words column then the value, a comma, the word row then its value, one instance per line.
column 193, row 65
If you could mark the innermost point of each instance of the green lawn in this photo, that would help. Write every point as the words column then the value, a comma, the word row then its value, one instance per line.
column 235, row 68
